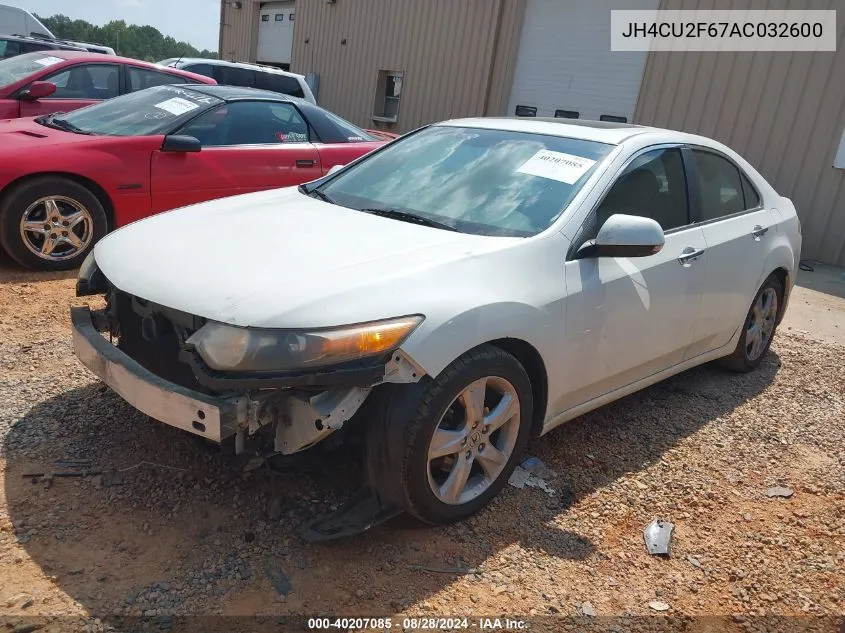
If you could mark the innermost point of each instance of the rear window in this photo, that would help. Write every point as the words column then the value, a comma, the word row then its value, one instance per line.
column 14, row 69
column 234, row 76
column 140, row 78
column 279, row 83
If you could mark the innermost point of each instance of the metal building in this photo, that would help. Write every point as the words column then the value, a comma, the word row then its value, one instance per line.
column 399, row 64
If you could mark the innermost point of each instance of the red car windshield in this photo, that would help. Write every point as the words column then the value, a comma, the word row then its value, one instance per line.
column 20, row 67
column 143, row 113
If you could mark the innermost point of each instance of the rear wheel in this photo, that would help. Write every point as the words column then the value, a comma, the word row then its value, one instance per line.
column 465, row 435
column 50, row 223
column 759, row 328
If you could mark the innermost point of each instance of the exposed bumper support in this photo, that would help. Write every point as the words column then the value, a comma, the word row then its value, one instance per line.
column 209, row 417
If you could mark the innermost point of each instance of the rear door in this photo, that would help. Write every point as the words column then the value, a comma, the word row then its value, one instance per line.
column 76, row 87
column 738, row 230
column 246, row 146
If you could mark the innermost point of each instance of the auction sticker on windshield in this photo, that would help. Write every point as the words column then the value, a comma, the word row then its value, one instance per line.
column 177, row 106
column 48, row 61
column 556, row 166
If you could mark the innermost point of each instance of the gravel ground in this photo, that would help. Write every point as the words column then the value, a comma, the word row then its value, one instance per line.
column 191, row 533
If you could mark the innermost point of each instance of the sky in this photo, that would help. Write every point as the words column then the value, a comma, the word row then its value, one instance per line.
column 194, row 21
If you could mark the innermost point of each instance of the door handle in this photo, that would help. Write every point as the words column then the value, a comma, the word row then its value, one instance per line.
column 758, row 232
column 689, row 255
column 303, row 163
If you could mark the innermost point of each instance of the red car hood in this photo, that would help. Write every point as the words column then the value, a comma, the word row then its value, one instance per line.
column 17, row 134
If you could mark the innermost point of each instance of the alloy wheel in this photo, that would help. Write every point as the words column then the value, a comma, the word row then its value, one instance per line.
column 474, row 440
column 56, row 228
column 762, row 323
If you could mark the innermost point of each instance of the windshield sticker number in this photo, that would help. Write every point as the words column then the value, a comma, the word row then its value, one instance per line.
column 177, row 106
column 48, row 61
column 556, row 166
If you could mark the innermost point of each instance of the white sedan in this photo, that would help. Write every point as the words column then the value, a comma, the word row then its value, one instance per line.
column 463, row 288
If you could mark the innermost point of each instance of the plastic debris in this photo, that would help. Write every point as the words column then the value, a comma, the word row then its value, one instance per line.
column 521, row 478
column 537, row 468
column 587, row 609
column 279, row 580
column 779, row 491
column 658, row 537
column 693, row 561
column 657, row 605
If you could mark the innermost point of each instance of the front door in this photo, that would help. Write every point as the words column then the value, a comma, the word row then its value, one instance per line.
column 246, row 146
column 738, row 230
column 628, row 318
column 76, row 87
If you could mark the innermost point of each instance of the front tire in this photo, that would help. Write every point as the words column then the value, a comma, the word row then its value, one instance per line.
column 758, row 329
column 463, row 437
column 50, row 223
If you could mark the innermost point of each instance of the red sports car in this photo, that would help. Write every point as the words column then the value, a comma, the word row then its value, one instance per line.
column 66, row 180
column 60, row 81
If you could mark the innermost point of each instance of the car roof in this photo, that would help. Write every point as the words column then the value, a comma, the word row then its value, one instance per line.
column 223, row 62
column 87, row 56
column 598, row 131
column 240, row 93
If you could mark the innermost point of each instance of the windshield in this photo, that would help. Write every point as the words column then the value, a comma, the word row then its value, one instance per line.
column 146, row 112
column 487, row 182
column 14, row 69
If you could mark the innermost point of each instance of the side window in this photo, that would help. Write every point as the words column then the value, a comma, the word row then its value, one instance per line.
column 234, row 76
column 249, row 123
column 200, row 69
column 9, row 49
column 720, row 185
column 140, row 78
column 279, row 83
column 88, row 81
column 752, row 198
column 29, row 47
column 652, row 186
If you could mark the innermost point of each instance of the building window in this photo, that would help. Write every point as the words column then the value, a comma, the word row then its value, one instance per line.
column 522, row 110
column 388, row 94
column 614, row 119
column 265, row 17
column 566, row 114
column 292, row 16
column 280, row 17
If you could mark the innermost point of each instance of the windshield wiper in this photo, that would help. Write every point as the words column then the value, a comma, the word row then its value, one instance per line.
column 413, row 218
column 316, row 193
column 61, row 124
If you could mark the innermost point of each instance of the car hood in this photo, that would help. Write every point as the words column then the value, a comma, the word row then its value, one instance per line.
column 282, row 259
column 20, row 134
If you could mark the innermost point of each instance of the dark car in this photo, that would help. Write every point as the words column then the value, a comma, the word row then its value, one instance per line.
column 13, row 45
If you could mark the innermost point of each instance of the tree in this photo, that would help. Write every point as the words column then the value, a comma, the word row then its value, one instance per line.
column 129, row 40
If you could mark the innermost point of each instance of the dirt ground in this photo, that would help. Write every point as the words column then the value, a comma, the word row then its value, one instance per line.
column 190, row 533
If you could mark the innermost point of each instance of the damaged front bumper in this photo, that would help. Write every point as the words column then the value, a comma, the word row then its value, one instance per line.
column 214, row 418
column 301, row 409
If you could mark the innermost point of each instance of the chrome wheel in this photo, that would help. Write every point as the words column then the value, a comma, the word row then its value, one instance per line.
column 474, row 440
column 762, row 323
column 56, row 228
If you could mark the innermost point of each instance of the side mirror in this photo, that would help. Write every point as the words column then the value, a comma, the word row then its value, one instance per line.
column 625, row 236
column 39, row 90
column 334, row 169
column 180, row 143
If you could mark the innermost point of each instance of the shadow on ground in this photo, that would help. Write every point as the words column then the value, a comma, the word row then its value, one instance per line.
column 209, row 538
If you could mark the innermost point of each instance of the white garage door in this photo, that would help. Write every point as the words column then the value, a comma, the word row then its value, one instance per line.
column 565, row 64
column 275, row 32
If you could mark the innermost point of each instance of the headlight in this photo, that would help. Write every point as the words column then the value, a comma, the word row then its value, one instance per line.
column 90, row 280
column 229, row 348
